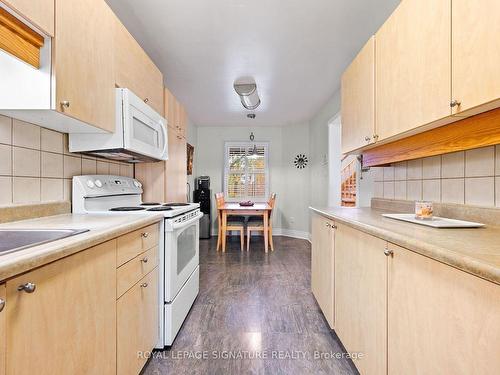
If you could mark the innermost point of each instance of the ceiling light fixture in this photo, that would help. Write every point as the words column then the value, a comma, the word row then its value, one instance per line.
column 248, row 95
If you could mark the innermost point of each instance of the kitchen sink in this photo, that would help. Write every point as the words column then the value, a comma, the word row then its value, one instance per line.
column 17, row 239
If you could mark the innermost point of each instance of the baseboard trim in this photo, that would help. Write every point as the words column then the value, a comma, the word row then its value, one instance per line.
column 278, row 232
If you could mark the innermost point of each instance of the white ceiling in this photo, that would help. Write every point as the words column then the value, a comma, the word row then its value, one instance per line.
column 295, row 50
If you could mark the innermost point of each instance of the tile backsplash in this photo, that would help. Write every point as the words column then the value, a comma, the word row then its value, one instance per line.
column 36, row 166
column 468, row 177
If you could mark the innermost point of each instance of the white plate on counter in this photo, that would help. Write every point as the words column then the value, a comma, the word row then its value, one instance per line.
column 435, row 222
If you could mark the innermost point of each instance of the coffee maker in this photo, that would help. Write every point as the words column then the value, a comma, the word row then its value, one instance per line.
column 201, row 195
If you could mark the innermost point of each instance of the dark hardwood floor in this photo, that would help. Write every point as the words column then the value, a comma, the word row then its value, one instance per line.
column 253, row 304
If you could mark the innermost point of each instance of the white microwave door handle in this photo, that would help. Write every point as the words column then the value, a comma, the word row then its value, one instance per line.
column 165, row 140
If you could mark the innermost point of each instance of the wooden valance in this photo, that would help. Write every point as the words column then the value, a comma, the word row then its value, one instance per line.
column 19, row 40
column 473, row 132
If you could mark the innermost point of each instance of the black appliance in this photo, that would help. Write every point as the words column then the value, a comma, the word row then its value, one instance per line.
column 202, row 195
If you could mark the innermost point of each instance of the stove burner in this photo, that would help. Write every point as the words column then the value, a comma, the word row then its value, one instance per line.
column 176, row 204
column 150, row 204
column 160, row 209
column 127, row 209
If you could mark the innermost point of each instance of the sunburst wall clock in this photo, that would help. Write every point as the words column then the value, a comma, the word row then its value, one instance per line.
column 300, row 161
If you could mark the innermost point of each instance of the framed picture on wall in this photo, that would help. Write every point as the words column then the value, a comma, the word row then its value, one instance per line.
column 190, row 155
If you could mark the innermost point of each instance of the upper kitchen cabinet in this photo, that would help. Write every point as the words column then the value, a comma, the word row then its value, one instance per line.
column 39, row 12
column 358, row 100
column 475, row 55
column 135, row 70
column 3, row 326
column 83, row 62
column 175, row 113
column 413, row 67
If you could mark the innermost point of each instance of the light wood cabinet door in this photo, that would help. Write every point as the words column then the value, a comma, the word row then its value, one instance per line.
column 176, row 168
column 358, row 100
column 322, row 267
column 68, row 324
column 413, row 67
column 441, row 320
column 39, row 12
column 135, row 70
column 83, row 62
column 475, row 54
column 361, row 297
column 170, row 108
column 3, row 327
column 137, row 324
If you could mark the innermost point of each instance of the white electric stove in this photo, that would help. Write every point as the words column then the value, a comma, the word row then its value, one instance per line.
column 178, row 248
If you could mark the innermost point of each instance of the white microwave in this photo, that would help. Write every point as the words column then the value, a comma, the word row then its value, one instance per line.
column 140, row 134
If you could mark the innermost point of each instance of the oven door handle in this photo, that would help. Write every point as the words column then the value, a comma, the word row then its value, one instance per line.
column 187, row 222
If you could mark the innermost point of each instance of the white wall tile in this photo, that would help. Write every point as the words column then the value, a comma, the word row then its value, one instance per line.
column 400, row 171
column 431, row 190
column 102, row 167
column 389, row 189
column 51, row 141
column 497, row 161
column 5, row 190
column 453, row 165
column 497, row 191
column 26, row 190
column 52, row 165
column 5, row 160
column 400, row 190
column 52, row 189
column 431, row 167
column 453, row 190
column 378, row 189
column 89, row 166
column 414, row 169
column 67, row 189
column 25, row 134
column 389, row 173
column 414, row 190
column 72, row 166
column 480, row 162
column 127, row 170
column 114, row 169
column 5, row 130
column 25, row 162
column 480, row 191
column 378, row 173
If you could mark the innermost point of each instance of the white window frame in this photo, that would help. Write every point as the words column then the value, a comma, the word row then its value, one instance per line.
column 247, row 145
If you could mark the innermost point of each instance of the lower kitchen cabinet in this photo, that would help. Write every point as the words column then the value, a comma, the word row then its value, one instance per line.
column 62, row 316
column 137, row 324
column 361, row 297
column 440, row 320
column 322, row 256
column 3, row 326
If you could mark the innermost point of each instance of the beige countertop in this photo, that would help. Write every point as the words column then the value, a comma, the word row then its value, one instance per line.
column 101, row 228
column 474, row 250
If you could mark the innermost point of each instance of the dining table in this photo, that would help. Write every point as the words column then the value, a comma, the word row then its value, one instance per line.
column 258, row 209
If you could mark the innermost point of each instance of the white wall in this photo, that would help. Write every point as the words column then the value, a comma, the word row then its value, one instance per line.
column 290, row 184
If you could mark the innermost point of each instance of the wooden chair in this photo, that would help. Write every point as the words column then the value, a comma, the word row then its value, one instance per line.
column 256, row 224
column 233, row 223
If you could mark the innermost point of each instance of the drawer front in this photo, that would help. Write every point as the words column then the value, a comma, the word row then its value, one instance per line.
column 135, row 269
column 134, row 243
column 137, row 324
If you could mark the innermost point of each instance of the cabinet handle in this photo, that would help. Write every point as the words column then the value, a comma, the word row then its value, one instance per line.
column 368, row 139
column 375, row 137
column 388, row 252
column 146, row 100
column 455, row 103
column 144, row 285
column 65, row 104
column 28, row 287
column 144, row 260
column 328, row 225
column 145, row 235
column 2, row 304
column 333, row 226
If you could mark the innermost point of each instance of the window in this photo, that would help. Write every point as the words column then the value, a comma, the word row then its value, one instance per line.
column 246, row 174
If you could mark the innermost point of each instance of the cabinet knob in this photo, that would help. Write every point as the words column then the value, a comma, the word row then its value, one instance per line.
column 375, row 137
column 334, row 226
column 328, row 225
column 146, row 100
column 145, row 234
column 144, row 285
column 28, row 287
column 2, row 304
column 388, row 252
column 368, row 139
column 454, row 103
column 144, row 260
column 65, row 104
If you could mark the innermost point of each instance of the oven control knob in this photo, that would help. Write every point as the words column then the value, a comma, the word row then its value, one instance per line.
column 90, row 184
column 98, row 183
column 137, row 184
